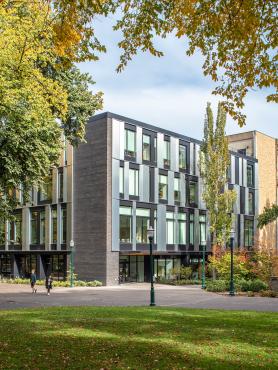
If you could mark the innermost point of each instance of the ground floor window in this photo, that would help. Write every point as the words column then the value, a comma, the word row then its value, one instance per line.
column 248, row 233
column 5, row 265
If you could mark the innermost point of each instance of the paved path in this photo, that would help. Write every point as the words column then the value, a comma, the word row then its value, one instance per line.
column 16, row 296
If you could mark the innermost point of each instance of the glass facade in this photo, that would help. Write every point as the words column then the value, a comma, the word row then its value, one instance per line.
column 125, row 224
column 181, row 228
column 193, row 192
column 248, row 233
column 130, row 143
column 146, row 148
column 250, row 175
column 142, row 223
column 133, row 182
column 166, row 153
column 182, row 157
column 121, row 180
column 163, row 187
column 251, row 203
column 191, row 229
column 45, row 193
column 37, row 227
column 60, row 185
column 177, row 192
column 53, row 226
column 15, row 230
column 63, row 226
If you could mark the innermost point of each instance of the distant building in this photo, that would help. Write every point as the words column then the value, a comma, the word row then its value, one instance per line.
column 126, row 176
column 265, row 149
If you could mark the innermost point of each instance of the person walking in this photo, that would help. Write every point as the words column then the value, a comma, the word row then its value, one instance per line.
column 48, row 284
column 33, row 280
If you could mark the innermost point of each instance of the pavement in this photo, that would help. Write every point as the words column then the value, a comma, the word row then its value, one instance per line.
column 19, row 296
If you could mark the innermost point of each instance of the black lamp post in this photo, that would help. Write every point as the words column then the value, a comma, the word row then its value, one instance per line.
column 232, row 289
column 150, row 233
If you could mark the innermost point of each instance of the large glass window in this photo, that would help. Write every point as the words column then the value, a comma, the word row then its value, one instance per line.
column 42, row 227
column 45, row 192
column 121, row 180
column 125, row 224
column 203, row 230
column 170, row 228
column 251, row 202
column 37, row 227
column 248, row 233
column 64, row 226
column 166, row 153
column 53, row 226
column 163, row 187
column 15, row 230
column 146, row 148
column 177, row 192
column 60, row 184
column 130, row 143
column 250, row 175
column 142, row 223
column 191, row 229
column 193, row 192
column 181, row 228
column 133, row 182
column 182, row 157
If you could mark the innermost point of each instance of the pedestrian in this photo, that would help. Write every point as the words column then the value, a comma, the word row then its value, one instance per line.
column 48, row 284
column 33, row 280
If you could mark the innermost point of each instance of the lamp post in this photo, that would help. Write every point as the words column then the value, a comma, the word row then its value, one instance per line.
column 71, row 263
column 150, row 234
column 204, row 268
column 232, row 236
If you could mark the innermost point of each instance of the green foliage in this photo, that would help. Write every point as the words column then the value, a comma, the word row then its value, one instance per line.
column 269, row 215
column 217, row 285
column 179, row 281
column 222, row 265
column 56, row 283
column 213, row 164
column 269, row 293
column 257, row 285
column 182, row 272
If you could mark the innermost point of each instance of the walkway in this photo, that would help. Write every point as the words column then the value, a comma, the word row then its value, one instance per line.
column 16, row 296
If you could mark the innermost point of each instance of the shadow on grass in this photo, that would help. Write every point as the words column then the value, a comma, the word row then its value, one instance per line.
column 137, row 338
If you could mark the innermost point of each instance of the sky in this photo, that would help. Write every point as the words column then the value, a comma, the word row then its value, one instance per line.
column 169, row 92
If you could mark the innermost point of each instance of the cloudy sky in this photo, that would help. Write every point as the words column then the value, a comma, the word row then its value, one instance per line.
column 170, row 92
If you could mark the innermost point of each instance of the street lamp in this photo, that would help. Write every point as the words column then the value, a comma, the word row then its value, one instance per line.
column 150, row 234
column 232, row 236
column 71, row 263
column 204, row 268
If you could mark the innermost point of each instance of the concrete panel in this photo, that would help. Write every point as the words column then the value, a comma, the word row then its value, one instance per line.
column 144, row 183
column 115, row 225
column 59, row 227
column 237, row 202
column 160, row 143
column 197, row 157
column 115, row 178
column 134, row 226
column 126, row 180
column 47, row 227
column 174, row 154
column 171, row 188
column 161, row 227
column 240, row 171
column 183, row 189
column 118, row 141
column 241, row 230
column 246, row 201
column 26, row 229
column 202, row 204
column 191, row 155
column 54, row 185
column 139, row 139
column 244, row 172
column 66, row 178
column 196, row 229
column 156, row 185
column 233, row 171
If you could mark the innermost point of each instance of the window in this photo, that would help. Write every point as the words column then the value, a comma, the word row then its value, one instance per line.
column 2, row 232
column 251, row 202
column 46, row 190
column 142, row 223
column 182, row 157
column 170, row 228
column 121, row 180
column 250, row 175
column 191, row 229
column 125, row 224
column 146, row 148
column 163, row 187
column 53, row 226
column 181, row 228
column 203, row 230
column 248, row 233
column 155, row 148
column 37, row 227
column 15, row 230
column 64, row 226
column 193, row 192
column 130, row 143
column 166, row 153
column 133, row 182
column 60, row 184
column 177, row 193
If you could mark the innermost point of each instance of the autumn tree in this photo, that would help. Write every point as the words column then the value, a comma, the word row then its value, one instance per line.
column 213, row 164
column 268, row 215
column 42, row 95
column 237, row 38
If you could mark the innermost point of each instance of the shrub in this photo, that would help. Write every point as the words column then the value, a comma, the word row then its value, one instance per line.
column 217, row 285
column 242, row 285
column 257, row 285
column 269, row 293
column 250, row 294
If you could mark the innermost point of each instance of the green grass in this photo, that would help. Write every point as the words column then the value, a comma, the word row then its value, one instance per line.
column 137, row 338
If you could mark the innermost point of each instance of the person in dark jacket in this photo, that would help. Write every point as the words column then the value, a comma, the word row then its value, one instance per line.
column 48, row 284
column 33, row 280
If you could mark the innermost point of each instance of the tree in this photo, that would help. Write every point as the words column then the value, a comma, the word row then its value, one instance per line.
column 42, row 96
column 237, row 38
column 269, row 215
column 213, row 164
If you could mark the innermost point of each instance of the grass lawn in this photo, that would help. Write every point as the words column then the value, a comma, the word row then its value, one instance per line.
column 137, row 338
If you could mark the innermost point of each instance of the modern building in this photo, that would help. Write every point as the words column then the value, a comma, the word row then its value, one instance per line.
column 265, row 149
column 127, row 175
